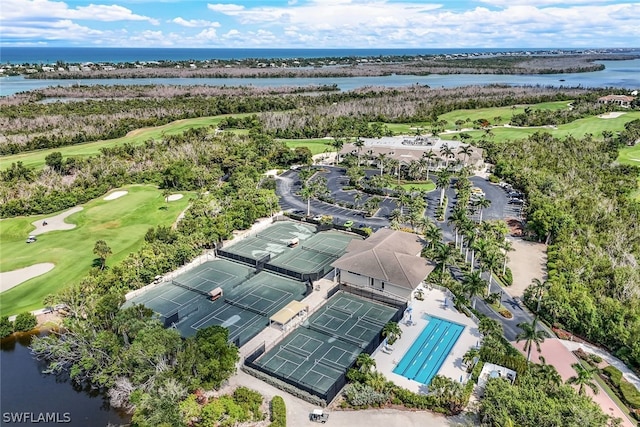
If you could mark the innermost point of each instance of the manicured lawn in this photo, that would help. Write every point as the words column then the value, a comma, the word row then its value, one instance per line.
column 316, row 145
column 420, row 186
column 630, row 155
column 35, row 159
column 578, row 128
column 122, row 223
column 490, row 114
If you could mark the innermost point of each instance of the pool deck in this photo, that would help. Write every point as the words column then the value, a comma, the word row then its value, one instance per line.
column 452, row 367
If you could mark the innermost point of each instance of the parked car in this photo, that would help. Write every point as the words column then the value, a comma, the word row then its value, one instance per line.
column 348, row 224
column 516, row 201
column 317, row 218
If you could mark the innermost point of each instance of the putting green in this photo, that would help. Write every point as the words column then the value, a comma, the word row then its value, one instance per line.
column 630, row 155
column 35, row 159
column 122, row 223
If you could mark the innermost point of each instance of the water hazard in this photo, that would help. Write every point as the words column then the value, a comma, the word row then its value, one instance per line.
column 30, row 397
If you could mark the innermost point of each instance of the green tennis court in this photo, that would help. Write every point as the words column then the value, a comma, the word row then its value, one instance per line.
column 267, row 243
column 316, row 356
column 314, row 255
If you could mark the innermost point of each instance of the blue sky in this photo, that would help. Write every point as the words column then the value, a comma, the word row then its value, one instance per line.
column 321, row 23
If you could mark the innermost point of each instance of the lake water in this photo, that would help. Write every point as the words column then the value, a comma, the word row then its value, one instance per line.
column 27, row 393
column 619, row 74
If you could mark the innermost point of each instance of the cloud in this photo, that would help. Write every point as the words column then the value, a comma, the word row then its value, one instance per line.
column 194, row 23
column 46, row 10
column 228, row 9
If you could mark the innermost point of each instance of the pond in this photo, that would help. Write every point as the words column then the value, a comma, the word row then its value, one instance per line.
column 28, row 396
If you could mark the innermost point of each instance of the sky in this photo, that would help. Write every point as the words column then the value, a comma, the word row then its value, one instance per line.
column 321, row 23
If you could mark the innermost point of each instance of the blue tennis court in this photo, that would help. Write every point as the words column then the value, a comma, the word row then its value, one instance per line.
column 427, row 353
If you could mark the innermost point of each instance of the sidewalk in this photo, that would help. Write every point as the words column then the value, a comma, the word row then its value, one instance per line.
column 628, row 374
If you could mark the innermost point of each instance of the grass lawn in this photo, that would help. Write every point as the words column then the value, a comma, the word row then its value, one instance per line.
column 490, row 114
column 316, row 145
column 35, row 159
column 122, row 223
column 578, row 128
column 420, row 186
column 630, row 155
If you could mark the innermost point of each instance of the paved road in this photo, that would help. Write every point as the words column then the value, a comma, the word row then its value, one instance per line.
column 288, row 184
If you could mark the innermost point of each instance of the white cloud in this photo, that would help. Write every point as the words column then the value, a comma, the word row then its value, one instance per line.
column 194, row 23
column 228, row 9
column 47, row 10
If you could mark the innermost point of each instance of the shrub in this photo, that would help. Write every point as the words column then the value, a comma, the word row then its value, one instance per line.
column 630, row 394
column 6, row 326
column 249, row 400
column 494, row 179
column 363, row 395
column 25, row 322
column 614, row 374
column 413, row 400
column 595, row 358
column 505, row 313
column 278, row 412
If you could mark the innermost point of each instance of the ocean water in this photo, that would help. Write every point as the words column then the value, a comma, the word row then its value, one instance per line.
column 47, row 55
column 618, row 74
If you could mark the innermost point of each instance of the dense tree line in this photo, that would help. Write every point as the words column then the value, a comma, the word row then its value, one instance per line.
column 579, row 203
column 192, row 161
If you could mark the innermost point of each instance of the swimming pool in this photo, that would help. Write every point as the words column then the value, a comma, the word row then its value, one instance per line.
column 427, row 353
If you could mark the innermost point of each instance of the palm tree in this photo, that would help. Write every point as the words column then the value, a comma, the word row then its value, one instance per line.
column 457, row 219
column 470, row 356
column 376, row 381
column 447, row 153
column 539, row 289
column 432, row 233
column 382, row 158
column 465, row 150
column 584, row 378
column 444, row 178
column 531, row 335
column 506, row 246
column 357, row 198
column 365, row 363
column 359, row 144
column 428, row 156
column 547, row 373
column 307, row 193
column 482, row 203
column 395, row 215
column 488, row 326
column 337, row 143
column 473, row 284
column 444, row 255
column 392, row 332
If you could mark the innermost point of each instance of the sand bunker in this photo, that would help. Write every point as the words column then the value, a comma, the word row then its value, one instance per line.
column 174, row 197
column 115, row 195
column 54, row 223
column 611, row 115
column 13, row 278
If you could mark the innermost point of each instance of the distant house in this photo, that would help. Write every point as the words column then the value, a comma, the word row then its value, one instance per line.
column 620, row 100
column 388, row 262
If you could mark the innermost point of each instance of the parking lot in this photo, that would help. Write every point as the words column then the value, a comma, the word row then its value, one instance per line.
column 288, row 186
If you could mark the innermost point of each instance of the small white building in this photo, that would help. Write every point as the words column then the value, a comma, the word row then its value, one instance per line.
column 490, row 370
column 388, row 262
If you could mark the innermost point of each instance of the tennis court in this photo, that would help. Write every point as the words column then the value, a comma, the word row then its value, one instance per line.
column 268, row 243
column 245, row 308
column 316, row 356
column 314, row 255
column 187, row 294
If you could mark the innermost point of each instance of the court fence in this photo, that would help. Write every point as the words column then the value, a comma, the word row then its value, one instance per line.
column 386, row 298
column 326, row 396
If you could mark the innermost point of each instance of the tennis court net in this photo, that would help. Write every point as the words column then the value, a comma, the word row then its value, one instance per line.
column 373, row 321
column 333, row 334
column 270, row 239
column 245, row 307
column 189, row 288
column 341, row 310
column 331, row 366
column 294, row 351
column 324, row 252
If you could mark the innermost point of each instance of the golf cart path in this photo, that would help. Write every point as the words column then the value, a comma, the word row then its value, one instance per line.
column 55, row 223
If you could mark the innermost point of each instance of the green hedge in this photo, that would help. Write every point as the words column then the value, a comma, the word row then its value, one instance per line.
column 278, row 412
column 630, row 394
column 614, row 374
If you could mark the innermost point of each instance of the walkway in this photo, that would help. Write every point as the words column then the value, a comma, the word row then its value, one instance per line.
column 626, row 372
